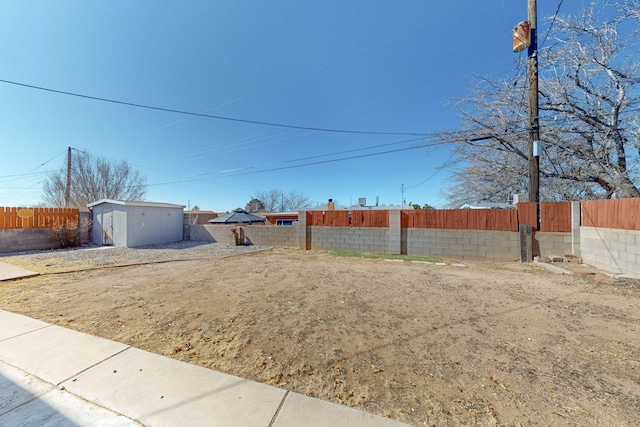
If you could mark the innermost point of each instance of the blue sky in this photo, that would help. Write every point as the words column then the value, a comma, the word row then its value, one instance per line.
column 373, row 66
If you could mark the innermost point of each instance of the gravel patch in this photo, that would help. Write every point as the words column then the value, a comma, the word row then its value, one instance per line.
column 111, row 255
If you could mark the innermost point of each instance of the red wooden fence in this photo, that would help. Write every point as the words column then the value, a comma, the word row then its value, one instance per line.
column 38, row 217
column 462, row 219
column 617, row 213
column 554, row 217
column 373, row 218
column 527, row 214
column 328, row 218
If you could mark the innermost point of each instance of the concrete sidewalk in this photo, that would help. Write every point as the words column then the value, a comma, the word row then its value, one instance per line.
column 55, row 376
column 11, row 272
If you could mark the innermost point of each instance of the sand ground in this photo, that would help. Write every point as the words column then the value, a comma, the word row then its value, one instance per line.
column 484, row 344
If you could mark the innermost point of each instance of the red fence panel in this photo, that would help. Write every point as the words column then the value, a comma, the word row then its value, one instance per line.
column 328, row 218
column 555, row 216
column 370, row 218
column 527, row 214
column 38, row 217
column 462, row 219
column 616, row 213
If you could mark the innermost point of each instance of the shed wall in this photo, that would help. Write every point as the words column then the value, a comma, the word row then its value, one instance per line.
column 130, row 226
column 153, row 225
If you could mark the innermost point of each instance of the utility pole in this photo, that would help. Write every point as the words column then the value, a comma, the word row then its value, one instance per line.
column 534, row 147
column 67, row 193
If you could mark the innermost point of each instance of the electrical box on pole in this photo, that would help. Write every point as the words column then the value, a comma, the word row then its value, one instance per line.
column 521, row 36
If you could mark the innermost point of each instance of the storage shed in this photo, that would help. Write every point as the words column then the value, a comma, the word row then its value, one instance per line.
column 131, row 223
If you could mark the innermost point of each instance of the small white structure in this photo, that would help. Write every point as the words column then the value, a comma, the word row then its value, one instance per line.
column 130, row 223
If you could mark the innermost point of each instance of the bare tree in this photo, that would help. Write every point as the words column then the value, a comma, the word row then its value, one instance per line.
column 94, row 178
column 271, row 199
column 295, row 200
column 276, row 200
column 590, row 99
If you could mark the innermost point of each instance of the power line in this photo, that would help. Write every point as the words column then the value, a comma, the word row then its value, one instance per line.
column 25, row 174
column 354, row 150
column 553, row 21
column 424, row 145
column 210, row 116
column 413, row 147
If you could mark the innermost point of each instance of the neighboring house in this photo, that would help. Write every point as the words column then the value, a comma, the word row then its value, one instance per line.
column 132, row 223
column 281, row 218
column 238, row 216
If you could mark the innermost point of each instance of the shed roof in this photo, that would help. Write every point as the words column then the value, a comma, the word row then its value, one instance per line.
column 134, row 203
column 237, row 216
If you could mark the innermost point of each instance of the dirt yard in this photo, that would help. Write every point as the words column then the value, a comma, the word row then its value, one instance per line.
column 484, row 344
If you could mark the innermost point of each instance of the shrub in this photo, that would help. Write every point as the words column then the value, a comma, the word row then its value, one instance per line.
column 67, row 236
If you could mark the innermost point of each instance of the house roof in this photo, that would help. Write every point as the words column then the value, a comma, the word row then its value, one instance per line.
column 134, row 203
column 487, row 205
column 237, row 216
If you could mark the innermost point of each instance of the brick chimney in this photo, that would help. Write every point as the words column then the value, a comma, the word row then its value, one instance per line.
column 330, row 205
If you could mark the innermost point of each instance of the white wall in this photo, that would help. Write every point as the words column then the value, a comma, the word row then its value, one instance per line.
column 611, row 249
column 153, row 225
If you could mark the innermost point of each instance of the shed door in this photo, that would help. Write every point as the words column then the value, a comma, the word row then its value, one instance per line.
column 107, row 227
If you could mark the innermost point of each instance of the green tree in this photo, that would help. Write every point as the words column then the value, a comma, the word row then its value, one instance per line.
column 425, row 206
column 254, row 205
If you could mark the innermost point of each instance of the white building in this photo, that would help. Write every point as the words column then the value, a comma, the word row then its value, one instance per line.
column 130, row 223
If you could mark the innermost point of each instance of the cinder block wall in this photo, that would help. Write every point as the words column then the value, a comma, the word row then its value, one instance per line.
column 263, row 235
column 27, row 239
column 460, row 244
column 260, row 235
column 552, row 243
column 611, row 249
column 463, row 244
column 350, row 239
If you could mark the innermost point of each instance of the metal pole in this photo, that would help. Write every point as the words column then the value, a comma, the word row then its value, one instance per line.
column 67, row 193
column 534, row 122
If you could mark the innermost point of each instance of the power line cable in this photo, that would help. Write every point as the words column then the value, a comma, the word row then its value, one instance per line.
column 323, row 155
column 413, row 147
column 553, row 21
column 424, row 145
column 25, row 174
column 244, row 143
column 210, row 116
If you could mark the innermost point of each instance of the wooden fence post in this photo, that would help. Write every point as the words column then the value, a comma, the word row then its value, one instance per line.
column 575, row 228
column 526, row 243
